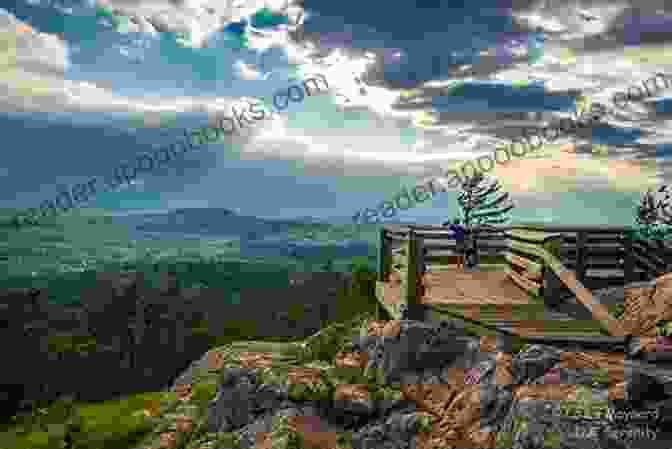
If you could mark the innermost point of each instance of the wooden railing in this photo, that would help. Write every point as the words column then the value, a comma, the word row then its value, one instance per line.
column 549, row 261
column 586, row 249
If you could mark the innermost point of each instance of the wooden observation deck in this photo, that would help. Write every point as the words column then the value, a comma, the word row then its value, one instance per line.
column 539, row 285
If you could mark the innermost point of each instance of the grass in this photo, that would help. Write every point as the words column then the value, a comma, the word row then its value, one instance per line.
column 112, row 424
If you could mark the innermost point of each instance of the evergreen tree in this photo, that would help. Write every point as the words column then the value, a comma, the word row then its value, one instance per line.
column 653, row 210
column 653, row 214
column 481, row 204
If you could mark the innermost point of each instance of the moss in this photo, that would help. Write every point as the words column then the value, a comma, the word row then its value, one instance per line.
column 325, row 344
column 294, row 351
column 664, row 328
column 277, row 375
column 520, row 424
column 344, row 440
column 601, row 377
column 504, row 440
column 347, row 375
column 212, row 440
column 387, row 394
column 552, row 440
column 204, row 392
column 424, row 424
column 617, row 310
column 229, row 440
column 283, row 437
column 322, row 390
column 518, row 345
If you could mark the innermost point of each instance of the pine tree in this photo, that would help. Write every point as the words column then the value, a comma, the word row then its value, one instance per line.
column 482, row 204
column 653, row 214
column 653, row 211
column 478, row 205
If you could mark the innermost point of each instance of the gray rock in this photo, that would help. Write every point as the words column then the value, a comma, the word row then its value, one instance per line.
column 431, row 377
column 268, row 397
column 483, row 372
column 470, row 356
column 641, row 389
column 533, row 362
column 232, row 407
column 567, row 376
column 364, row 343
column 363, row 407
column 418, row 347
column 248, row 433
column 495, row 403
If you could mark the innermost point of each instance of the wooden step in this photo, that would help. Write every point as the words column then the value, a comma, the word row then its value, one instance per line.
column 534, row 269
column 528, row 285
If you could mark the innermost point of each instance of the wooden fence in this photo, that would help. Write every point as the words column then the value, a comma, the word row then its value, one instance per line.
column 549, row 261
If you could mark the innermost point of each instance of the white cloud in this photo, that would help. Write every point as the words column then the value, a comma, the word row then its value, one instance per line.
column 245, row 71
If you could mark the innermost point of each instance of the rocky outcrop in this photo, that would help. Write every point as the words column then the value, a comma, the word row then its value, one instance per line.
column 645, row 306
column 407, row 384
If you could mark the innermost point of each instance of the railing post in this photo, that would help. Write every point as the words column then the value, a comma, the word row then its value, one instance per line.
column 553, row 244
column 553, row 286
column 474, row 242
column 662, row 251
column 580, row 267
column 420, row 268
column 383, row 256
column 628, row 257
column 411, row 284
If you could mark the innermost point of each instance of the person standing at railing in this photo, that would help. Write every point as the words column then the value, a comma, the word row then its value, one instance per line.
column 459, row 233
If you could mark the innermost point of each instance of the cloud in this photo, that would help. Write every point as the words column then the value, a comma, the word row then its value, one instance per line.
column 23, row 48
column 32, row 67
column 246, row 72
column 32, row 64
column 197, row 18
column 560, row 168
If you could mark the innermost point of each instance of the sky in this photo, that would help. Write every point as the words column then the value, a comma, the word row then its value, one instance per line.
column 88, row 85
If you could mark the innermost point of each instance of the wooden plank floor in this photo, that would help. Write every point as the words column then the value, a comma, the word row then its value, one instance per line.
column 492, row 298
column 455, row 286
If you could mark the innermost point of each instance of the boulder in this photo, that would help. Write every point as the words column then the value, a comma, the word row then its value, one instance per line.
column 533, row 362
column 232, row 407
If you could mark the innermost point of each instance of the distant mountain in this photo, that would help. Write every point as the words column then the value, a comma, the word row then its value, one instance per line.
column 208, row 222
column 300, row 237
